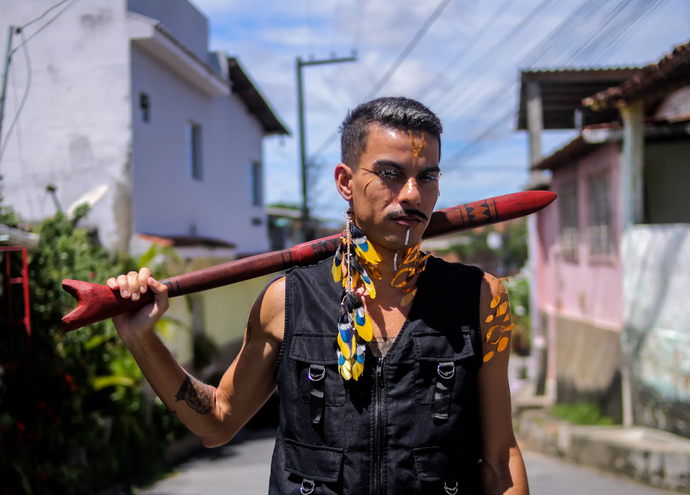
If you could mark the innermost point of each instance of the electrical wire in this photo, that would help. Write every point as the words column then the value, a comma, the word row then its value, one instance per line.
column 71, row 2
column 478, row 35
column 383, row 80
column 618, row 26
column 407, row 50
column 489, row 56
column 24, row 98
column 44, row 14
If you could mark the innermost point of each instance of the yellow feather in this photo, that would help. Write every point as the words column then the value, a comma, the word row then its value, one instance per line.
column 346, row 370
column 371, row 255
column 337, row 271
column 347, row 351
column 370, row 288
column 366, row 331
column 357, row 370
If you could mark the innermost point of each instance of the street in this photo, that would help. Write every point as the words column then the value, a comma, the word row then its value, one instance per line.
column 244, row 468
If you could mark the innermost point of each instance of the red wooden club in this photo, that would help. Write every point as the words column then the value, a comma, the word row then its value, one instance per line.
column 99, row 302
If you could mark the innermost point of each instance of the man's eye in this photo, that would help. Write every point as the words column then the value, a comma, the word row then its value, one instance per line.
column 429, row 178
column 388, row 173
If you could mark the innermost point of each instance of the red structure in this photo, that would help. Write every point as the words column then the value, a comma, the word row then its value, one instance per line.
column 10, row 281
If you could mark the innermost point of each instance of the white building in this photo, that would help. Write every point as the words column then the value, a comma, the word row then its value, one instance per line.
column 124, row 93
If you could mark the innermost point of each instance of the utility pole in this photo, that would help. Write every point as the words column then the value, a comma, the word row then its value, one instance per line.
column 8, row 57
column 307, row 230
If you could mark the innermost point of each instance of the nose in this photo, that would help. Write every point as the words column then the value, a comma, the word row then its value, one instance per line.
column 410, row 194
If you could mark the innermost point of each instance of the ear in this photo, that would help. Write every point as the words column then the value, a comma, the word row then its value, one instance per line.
column 343, row 181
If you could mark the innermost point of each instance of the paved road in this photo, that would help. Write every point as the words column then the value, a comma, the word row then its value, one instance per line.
column 244, row 468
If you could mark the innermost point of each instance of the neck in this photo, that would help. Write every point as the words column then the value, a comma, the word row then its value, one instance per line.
column 387, row 267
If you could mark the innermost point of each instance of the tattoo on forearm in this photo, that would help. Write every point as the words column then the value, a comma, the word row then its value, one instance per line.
column 197, row 395
column 248, row 333
column 380, row 346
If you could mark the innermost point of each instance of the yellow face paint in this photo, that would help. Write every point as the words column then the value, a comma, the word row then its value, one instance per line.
column 416, row 149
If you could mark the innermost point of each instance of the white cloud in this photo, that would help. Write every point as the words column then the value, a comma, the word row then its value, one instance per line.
column 267, row 36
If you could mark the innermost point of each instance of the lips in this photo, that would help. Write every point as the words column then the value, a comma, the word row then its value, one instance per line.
column 407, row 221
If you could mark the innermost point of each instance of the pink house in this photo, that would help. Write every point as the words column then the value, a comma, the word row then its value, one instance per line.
column 611, row 258
column 578, row 276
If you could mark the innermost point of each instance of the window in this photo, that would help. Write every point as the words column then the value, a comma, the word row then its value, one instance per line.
column 567, row 213
column 599, row 189
column 256, row 184
column 145, row 107
column 194, row 150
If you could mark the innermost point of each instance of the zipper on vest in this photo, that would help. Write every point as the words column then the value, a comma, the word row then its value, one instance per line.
column 378, row 427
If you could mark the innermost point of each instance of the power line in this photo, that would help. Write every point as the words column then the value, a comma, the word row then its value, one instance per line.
column 44, row 14
column 478, row 35
column 488, row 56
column 71, row 2
column 407, row 50
column 383, row 80
column 26, row 94
column 616, row 23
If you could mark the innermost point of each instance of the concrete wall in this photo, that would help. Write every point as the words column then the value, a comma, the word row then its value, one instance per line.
column 181, row 18
column 167, row 200
column 656, row 335
column 666, row 176
column 74, row 131
column 580, row 300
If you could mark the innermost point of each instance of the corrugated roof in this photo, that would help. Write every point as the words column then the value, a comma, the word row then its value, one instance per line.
column 670, row 73
column 562, row 91
column 257, row 105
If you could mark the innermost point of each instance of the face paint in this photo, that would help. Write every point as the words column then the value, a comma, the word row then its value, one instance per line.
column 415, row 149
column 409, row 185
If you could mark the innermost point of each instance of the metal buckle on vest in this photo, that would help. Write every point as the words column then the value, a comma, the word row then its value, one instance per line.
column 316, row 372
column 450, row 490
column 307, row 486
column 446, row 370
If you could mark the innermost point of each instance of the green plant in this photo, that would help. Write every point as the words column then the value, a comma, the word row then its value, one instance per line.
column 73, row 415
column 581, row 413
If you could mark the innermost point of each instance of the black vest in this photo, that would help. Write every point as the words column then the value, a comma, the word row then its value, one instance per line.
column 410, row 423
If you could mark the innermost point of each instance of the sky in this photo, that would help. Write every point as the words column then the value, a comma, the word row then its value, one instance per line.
column 465, row 68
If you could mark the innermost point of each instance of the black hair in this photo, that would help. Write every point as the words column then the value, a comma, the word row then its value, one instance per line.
column 395, row 112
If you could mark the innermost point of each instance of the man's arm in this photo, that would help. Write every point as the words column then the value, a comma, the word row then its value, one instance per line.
column 502, row 468
column 214, row 415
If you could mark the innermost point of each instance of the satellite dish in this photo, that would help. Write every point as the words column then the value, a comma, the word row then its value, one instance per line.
column 90, row 198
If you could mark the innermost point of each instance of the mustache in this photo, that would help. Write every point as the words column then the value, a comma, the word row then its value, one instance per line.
column 406, row 212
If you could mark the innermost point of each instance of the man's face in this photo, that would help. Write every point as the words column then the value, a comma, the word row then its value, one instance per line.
column 395, row 187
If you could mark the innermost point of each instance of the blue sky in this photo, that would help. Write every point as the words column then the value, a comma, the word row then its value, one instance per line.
column 468, row 80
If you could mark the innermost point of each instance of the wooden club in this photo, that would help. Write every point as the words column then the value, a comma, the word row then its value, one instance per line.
column 99, row 302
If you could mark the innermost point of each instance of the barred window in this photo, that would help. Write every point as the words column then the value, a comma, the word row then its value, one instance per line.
column 599, row 187
column 568, row 219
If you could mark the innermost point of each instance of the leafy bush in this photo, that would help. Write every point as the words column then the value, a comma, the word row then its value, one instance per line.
column 73, row 415
column 582, row 413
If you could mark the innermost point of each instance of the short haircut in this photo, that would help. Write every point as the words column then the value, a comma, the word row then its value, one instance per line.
column 393, row 112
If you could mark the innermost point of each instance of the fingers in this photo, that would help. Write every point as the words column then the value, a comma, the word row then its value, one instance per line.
column 144, row 275
column 132, row 285
column 160, row 292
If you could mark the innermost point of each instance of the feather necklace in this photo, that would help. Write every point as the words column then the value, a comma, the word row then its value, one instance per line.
column 353, row 254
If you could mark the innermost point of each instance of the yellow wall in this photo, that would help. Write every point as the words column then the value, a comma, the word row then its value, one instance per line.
column 226, row 308
column 224, row 311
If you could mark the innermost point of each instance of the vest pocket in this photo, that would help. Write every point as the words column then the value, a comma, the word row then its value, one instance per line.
column 442, row 362
column 436, row 472
column 317, row 368
column 313, row 467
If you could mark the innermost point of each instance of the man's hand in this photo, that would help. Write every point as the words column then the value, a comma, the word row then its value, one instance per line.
column 137, row 323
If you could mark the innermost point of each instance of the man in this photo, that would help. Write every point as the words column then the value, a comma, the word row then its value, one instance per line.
column 413, row 397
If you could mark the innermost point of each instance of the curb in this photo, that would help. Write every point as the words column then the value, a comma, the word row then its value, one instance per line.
column 650, row 456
